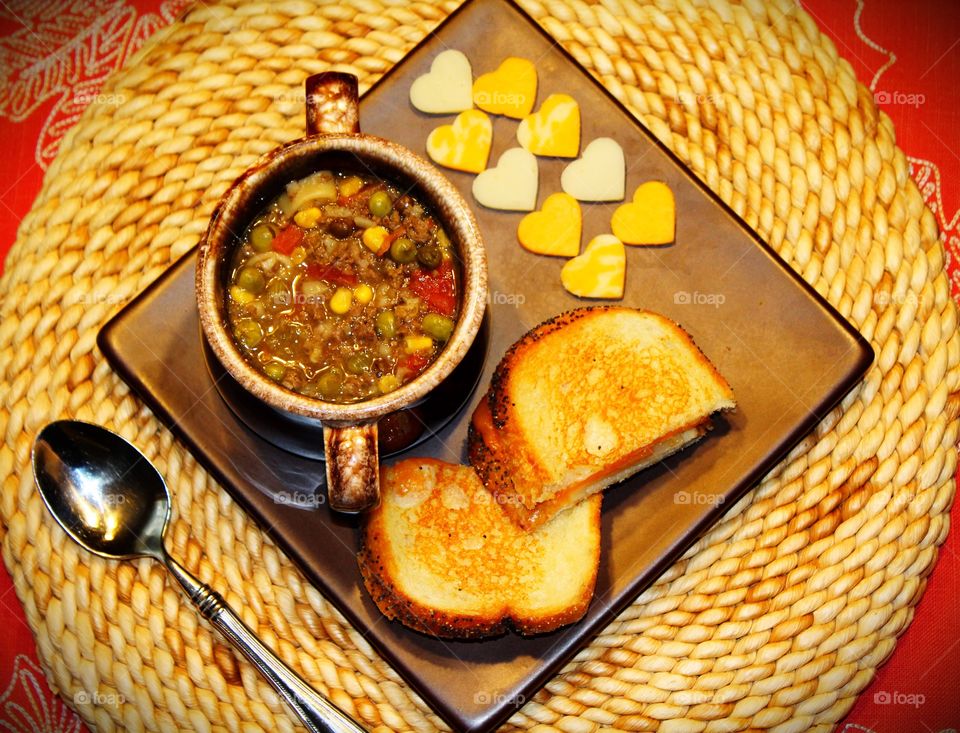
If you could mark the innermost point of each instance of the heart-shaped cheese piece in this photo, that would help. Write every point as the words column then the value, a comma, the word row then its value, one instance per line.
column 446, row 87
column 511, row 185
column 553, row 130
column 511, row 90
column 464, row 145
column 598, row 175
column 649, row 219
column 599, row 272
column 555, row 229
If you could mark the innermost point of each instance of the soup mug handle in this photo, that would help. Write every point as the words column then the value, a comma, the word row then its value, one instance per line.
column 353, row 467
column 333, row 103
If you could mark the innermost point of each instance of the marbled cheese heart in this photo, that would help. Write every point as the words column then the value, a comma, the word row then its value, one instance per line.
column 554, row 130
column 464, row 145
column 511, row 90
column 447, row 87
column 511, row 185
column 599, row 272
column 649, row 219
column 555, row 229
column 599, row 174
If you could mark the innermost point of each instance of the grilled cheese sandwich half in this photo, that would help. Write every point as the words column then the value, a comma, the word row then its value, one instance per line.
column 584, row 401
column 440, row 555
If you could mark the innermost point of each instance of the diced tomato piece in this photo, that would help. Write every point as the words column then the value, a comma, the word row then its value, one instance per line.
column 391, row 237
column 331, row 274
column 287, row 239
column 415, row 363
column 436, row 288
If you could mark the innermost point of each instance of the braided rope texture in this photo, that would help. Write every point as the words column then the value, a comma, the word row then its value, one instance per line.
column 775, row 620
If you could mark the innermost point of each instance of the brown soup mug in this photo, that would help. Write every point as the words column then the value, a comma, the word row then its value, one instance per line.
column 334, row 142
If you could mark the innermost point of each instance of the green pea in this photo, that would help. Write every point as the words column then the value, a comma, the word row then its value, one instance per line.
column 251, row 280
column 403, row 250
column 386, row 324
column 275, row 370
column 380, row 204
column 248, row 332
column 261, row 237
column 437, row 327
column 429, row 256
column 330, row 382
column 359, row 363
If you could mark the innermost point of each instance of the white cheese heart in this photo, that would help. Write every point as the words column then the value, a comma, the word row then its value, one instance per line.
column 599, row 174
column 447, row 87
column 511, row 185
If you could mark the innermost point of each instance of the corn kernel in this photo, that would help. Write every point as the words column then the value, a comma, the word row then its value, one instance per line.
column 374, row 237
column 298, row 255
column 240, row 295
column 444, row 241
column 363, row 293
column 350, row 186
column 388, row 383
column 340, row 302
column 307, row 218
column 414, row 344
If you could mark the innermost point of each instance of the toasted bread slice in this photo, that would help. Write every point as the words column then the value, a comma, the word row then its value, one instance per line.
column 440, row 556
column 585, row 400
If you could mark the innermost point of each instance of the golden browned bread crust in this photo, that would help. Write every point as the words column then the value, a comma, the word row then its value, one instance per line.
column 494, row 473
column 441, row 557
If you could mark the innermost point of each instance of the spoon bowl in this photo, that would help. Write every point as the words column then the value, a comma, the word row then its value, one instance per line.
column 112, row 501
column 103, row 491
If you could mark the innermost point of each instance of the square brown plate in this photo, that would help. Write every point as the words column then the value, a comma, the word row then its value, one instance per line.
column 785, row 351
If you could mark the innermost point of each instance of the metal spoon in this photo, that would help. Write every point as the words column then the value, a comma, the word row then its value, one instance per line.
column 110, row 499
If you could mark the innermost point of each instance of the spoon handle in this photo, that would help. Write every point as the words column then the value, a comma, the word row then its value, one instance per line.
column 316, row 711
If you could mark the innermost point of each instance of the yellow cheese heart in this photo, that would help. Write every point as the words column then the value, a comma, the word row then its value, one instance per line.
column 510, row 90
column 555, row 229
column 464, row 145
column 649, row 219
column 554, row 130
column 599, row 272
column 446, row 87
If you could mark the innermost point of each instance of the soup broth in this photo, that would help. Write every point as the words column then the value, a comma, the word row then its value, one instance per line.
column 343, row 288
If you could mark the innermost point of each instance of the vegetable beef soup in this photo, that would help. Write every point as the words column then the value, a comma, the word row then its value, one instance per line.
column 343, row 288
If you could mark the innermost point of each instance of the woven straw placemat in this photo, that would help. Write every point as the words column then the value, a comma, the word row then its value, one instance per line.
column 774, row 620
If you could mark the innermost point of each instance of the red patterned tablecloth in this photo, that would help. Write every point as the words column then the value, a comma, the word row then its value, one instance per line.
column 54, row 57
